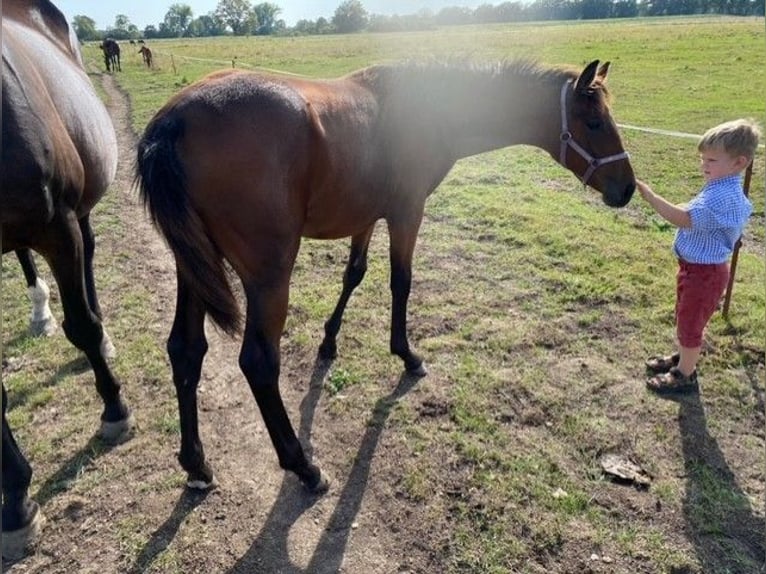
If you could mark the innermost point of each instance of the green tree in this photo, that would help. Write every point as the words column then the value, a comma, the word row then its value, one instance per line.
column 237, row 15
column 85, row 28
column 350, row 17
column 266, row 15
column 207, row 25
column 123, row 29
column 177, row 20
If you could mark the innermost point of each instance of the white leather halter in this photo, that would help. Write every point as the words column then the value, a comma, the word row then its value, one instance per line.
column 567, row 141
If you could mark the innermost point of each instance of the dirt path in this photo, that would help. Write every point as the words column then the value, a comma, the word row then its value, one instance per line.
column 260, row 519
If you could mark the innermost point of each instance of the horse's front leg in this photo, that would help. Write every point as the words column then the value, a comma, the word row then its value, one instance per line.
column 187, row 346
column 352, row 277
column 82, row 326
column 260, row 362
column 403, row 234
column 22, row 519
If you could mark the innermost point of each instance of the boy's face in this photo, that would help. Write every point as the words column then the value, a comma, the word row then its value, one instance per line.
column 717, row 163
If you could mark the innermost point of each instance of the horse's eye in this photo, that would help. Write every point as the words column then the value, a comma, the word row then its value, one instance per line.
column 594, row 124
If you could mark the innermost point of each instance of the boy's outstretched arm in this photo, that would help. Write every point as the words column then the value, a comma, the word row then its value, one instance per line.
column 674, row 214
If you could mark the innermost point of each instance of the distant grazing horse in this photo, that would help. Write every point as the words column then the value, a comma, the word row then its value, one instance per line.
column 147, row 54
column 59, row 155
column 240, row 165
column 111, row 51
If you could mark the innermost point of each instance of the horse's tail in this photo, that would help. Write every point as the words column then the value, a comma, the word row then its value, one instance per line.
column 161, row 181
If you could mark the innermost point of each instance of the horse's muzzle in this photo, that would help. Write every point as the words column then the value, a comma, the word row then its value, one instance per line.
column 618, row 195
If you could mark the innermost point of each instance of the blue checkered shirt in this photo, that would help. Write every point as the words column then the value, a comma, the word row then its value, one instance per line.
column 718, row 216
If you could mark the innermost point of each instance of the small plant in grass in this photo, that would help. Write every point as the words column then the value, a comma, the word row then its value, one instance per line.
column 338, row 380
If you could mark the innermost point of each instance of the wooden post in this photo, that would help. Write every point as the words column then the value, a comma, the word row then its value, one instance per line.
column 735, row 255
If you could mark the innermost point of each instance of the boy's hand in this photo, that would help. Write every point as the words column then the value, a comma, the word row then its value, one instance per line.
column 644, row 189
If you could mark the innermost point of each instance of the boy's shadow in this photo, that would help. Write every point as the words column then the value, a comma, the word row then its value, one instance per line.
column 727, row 534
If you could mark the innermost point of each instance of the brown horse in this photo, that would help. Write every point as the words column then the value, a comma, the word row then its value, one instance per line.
column 147, row 54
column 241, row 165
column 111, row 50
column 59, row 155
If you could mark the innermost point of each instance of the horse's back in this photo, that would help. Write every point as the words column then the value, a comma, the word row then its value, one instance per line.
column 242, row 134
column 57, row 134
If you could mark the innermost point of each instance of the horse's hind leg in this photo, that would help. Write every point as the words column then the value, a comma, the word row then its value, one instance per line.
column 41, row 321
column 22, row 519
column 186, row 348
column 260, row 362
column 89, row 246
column 81, row 325
column 352, row 277
column 403, row 234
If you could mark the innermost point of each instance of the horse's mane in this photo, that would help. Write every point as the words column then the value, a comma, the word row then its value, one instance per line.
column 444, row 71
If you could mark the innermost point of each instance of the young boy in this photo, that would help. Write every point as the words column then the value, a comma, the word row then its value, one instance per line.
column 708, row 229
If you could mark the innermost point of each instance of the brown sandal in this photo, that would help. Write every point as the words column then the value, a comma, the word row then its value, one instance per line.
column 662, row 364
column 674, row 381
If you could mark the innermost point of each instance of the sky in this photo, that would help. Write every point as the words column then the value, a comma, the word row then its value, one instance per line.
column 145, row 12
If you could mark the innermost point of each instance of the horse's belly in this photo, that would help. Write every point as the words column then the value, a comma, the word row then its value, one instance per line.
column 336, row 217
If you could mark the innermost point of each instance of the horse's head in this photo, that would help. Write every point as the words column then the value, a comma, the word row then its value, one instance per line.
column 590, row 143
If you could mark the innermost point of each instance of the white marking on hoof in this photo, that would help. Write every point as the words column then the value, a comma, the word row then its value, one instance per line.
column 19, row 543
column 41, row 320
column 118, row 431
column 202, row 485
column 107, row 348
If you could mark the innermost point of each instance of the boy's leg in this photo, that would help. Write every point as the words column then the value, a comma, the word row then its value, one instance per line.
column 698, row 291
column 689, row 357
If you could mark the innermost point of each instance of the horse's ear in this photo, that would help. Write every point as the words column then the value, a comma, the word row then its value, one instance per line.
column 602, row 72
column 586, row 77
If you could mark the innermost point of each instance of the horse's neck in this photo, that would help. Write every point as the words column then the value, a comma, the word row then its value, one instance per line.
column 478, row 111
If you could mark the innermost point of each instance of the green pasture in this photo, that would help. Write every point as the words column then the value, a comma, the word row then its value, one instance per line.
column 533, row 304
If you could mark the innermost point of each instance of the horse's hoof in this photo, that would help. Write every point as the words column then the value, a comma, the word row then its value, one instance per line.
column 43, row 327
column 19, row 543
column 119, row 431
column 107, row 348
column 418, row 370
column 322, row 484
column 202, row 485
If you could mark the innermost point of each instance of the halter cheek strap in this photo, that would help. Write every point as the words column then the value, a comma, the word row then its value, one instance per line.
column 568, row 141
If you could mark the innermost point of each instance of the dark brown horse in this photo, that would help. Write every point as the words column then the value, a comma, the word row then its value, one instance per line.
column 111, row 50
column 147, row 55
column 59, row 155
column 240, row 166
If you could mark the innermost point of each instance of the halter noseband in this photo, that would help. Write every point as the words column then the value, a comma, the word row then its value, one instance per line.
column 568, row 141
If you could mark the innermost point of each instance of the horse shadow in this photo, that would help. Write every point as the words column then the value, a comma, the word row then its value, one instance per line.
column 269, row 551
column 164, row 535
column 727, row 534
column 69, row 472
column 74, row 367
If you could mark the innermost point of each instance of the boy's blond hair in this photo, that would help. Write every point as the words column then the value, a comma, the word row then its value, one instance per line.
column 737, row 137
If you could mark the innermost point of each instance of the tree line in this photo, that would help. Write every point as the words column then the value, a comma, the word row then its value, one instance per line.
column 242, row 18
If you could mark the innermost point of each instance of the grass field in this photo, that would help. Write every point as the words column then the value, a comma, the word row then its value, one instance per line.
column 533, row 304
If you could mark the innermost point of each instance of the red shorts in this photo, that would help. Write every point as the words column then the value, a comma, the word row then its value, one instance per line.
column 699, row 288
